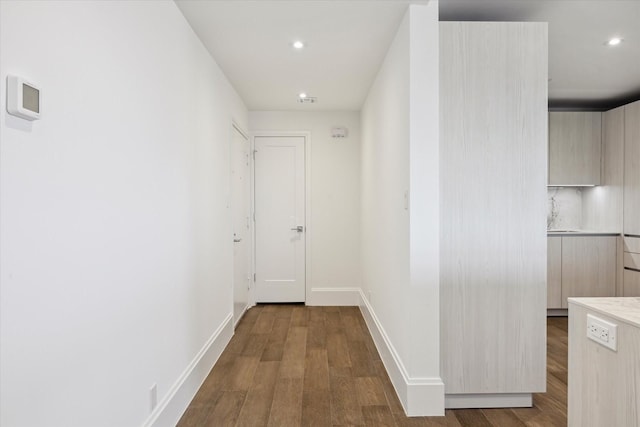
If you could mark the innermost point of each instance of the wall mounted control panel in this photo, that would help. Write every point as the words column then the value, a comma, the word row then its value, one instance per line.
column 23, row 98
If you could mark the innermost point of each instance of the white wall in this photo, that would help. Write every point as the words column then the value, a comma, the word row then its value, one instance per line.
column 334, row 231
column 400, row 237
column 116, row 252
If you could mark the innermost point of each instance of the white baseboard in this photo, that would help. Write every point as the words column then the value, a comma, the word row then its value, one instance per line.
column 418, row 396
column 507, row 400
column 173, row 405
column 244, row 311
column 333, row 296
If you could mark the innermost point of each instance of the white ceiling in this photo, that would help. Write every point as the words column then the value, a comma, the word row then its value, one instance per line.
column 347, row 41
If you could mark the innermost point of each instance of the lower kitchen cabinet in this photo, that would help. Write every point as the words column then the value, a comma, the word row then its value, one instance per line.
column 580, row 266
column 631, row 283
column 554, row 272
column 631, row 262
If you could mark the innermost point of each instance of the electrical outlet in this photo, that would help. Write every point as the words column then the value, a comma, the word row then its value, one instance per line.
column 153, row 396
column 602, row 332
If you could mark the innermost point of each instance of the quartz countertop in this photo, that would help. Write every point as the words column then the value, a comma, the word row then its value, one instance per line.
column 569, row 233
column 624, row 309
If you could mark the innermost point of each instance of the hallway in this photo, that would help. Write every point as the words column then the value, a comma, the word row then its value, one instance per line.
column 290, row 365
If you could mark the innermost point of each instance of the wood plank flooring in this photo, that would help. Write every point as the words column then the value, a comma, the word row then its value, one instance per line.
column 291, row 365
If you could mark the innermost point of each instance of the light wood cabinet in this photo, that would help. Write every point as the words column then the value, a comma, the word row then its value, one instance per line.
column 588, row 267
column 554, row 272
column 632, row 169
column 580, row 266
column 631, row 265
column 602, row 207
column 493, row 132
column 575, row 145
column 631, row 283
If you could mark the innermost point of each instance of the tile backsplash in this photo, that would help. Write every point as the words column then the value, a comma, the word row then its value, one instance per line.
column 564, row 208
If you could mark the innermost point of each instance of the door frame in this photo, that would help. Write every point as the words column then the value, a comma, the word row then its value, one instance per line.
column 307, row 205
column 235, row 127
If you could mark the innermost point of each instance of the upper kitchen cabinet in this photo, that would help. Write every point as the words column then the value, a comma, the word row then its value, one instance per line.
column 575, row 144
column 632, row 169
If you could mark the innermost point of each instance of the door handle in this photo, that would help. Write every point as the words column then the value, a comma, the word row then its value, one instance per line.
column 237, row 240
column 299, row 229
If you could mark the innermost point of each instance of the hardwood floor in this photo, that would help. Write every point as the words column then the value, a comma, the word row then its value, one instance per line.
column 291, row 365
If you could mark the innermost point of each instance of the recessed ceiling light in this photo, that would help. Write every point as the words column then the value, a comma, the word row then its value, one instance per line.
column 298, row 44
column 614, row 41
column 302, row 95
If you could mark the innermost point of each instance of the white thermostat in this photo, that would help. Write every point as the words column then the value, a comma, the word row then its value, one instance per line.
column 23, row 98
column 339, row 132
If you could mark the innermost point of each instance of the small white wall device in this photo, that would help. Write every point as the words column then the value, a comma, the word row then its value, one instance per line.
column 23, row 98
column 339, row 132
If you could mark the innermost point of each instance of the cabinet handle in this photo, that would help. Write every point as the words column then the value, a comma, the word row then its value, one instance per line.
column 632, row 269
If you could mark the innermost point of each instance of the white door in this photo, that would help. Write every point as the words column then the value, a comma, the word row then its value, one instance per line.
column 280, row 219
column 240, row 205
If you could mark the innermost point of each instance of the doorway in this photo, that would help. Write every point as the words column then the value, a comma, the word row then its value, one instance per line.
column 241, row 212
column 280, row 219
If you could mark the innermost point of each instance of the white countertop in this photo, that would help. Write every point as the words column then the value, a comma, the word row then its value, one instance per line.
column 624, row 309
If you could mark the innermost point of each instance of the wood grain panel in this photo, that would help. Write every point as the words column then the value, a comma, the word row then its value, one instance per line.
column 602, row 206
column 275, row 346
column 316, row 370
column 471, row 417
column 620, row 266
column 554, row 272
column 257, row 406
column 631, row 283
column 493, row 156
column 293, row 356
column 345, row 408
column 286, row 409
column 632, row 168
column 502, row 417
column 603, row 387
column 378, row 416
column 316, row 334
column 632, row 244
column 264, row 323
column 316, row 408
column 241, row 374
column 370, row 391
column 338, row 351
column 362, row 364
column 226, row 410
column 632, row 260
column 588, row 267
column 575, row 144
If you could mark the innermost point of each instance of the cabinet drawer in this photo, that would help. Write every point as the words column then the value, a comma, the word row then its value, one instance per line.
column 631, row 283
column 588, row 267
column 632, row 244
column 632, row 260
